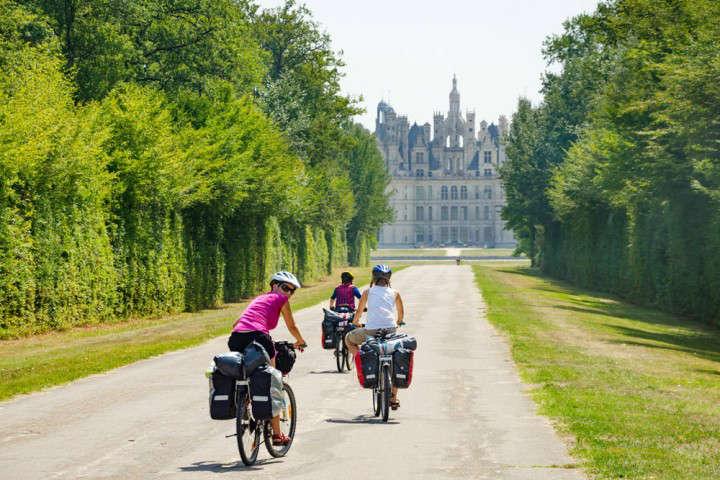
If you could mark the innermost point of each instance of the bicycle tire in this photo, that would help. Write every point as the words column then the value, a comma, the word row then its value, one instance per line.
column 248, row 432
column 288, row 417
column 339, row 358
column 376, row 401
column 385, row 393
column 348, row 358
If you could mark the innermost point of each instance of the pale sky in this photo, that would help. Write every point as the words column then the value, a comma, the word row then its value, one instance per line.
column 406, row 52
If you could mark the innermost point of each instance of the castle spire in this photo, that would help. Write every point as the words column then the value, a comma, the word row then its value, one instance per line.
column 454, row 98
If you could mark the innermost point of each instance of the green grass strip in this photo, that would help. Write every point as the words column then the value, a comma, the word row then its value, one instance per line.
column 32, row 363
column 637, row 391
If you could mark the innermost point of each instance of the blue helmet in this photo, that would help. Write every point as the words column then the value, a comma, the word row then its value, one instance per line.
column 381, row 271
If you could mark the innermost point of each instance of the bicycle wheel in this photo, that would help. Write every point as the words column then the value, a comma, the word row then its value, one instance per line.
column 288, row 421
column 385, row 393
column 339, row 356
column 248, row 432
column 348, row 358
column 376, row 401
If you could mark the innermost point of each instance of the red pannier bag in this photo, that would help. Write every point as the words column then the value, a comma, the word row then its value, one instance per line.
column 367, row 365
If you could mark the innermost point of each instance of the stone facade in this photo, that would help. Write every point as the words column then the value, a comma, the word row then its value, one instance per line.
column 445, row 188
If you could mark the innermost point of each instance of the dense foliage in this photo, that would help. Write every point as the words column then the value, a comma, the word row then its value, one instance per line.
column 614, row 180
column 160, row 156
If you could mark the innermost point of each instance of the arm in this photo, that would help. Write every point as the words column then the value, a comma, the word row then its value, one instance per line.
column 332, row 299
column 360, row 308
column 400, row 309
column 290, row 322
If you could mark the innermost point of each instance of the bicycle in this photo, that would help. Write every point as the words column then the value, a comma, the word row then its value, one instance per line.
column 382, row 392
column 342, row 354
column 249, row 431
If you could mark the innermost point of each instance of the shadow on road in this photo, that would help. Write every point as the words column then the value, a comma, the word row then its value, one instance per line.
column 216, row 467
column 362, row 419
column 319, row 372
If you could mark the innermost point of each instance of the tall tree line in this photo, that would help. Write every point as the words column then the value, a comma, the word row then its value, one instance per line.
column 613, row 180
column 160, row 156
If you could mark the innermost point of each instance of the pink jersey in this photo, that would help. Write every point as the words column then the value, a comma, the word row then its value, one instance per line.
column 262, row 314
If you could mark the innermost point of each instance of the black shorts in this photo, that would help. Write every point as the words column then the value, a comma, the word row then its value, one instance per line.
column 239, row 340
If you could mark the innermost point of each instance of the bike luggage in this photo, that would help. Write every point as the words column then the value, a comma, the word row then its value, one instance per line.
column 260, row 396
column 284, row 357
column 328, row 334
column 222, row 396
column 367, row 365
column 254, row 356
column 230, row 364
column 402, row 368
column 400, row 340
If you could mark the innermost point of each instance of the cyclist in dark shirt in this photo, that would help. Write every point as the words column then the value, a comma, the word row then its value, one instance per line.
column 344, row 294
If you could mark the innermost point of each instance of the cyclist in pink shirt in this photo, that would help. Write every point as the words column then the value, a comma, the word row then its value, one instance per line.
column 261, row 316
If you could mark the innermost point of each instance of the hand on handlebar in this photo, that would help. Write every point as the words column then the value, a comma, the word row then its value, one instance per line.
column 300, row 346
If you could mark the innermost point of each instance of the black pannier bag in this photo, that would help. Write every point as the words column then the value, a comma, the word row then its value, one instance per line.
column 367, row 365
column 284, row 357
column 230, row 364
column 402, row 368
column 260, row 398
column 222, row 396
column 328, row 338
column 254, row 356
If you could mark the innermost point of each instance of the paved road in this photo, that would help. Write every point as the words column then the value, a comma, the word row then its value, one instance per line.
column 465, row 416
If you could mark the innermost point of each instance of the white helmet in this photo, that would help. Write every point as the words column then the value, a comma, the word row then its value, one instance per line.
column 285, row 277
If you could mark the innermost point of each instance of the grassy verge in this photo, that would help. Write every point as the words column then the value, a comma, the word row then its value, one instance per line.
column 487, row 252
column 409, row 252
column 637, row 389
column 32, row 363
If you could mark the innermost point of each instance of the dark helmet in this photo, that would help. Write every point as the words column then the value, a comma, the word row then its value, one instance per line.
column 346, row 277
column 381, row 271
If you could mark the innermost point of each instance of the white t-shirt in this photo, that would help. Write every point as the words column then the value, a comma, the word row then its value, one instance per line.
column 381, row 307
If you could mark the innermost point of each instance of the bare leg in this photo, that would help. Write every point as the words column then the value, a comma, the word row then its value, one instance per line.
column 275, row 422
column 352, row 348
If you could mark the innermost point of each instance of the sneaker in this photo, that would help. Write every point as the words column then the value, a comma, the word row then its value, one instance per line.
column 280, row 439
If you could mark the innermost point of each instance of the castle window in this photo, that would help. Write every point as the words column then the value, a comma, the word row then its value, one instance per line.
column 453, row 193
column 444, row 193
column 477, row 213
column 477, row 192
column 487, row 157
column 443, row 213
column 453, row 213
column 488, row 172
column 487, row 212
column 464, row 213
column 419, row 214
column 487, row 193
column 429, row 213
column 429, row 191
column 420, row 157
column 419, row 193
column 463, row 193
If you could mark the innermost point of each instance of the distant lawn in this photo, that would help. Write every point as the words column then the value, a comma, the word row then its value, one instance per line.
column 487, row 252
column 409, row 252
column 32, row 363
column 442, row 252
column 639, row 390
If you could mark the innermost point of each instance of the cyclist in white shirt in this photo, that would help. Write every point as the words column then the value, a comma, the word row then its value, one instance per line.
column 384, row 311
